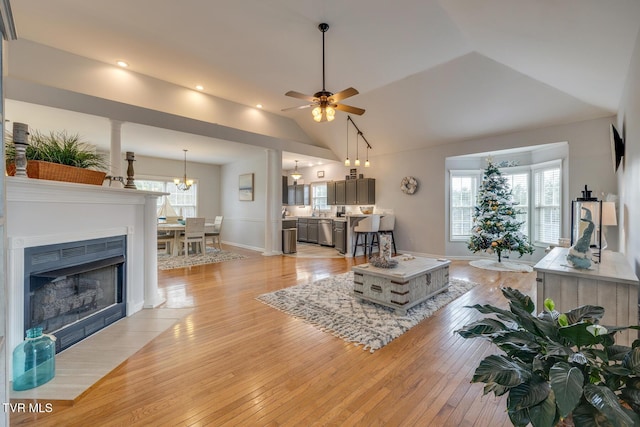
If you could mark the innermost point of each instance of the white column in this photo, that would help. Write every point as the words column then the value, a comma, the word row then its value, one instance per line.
column 273, row 204
column 115, row 169
column 151, row 297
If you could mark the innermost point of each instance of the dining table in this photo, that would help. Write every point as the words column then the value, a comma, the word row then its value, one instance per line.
column 176, row 228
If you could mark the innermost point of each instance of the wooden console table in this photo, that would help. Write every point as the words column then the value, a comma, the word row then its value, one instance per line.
column 611, row 284
column 413, row 281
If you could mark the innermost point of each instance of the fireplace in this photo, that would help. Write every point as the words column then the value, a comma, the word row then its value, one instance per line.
column 74, row 289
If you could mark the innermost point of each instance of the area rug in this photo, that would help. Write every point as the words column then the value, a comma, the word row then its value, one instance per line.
column 492, row 264
column 330, row 305
column 167, row 262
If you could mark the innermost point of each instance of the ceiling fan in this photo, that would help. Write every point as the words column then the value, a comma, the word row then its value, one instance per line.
column 325, row 102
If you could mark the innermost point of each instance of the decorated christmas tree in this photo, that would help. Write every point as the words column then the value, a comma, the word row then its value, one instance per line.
column 495, row 227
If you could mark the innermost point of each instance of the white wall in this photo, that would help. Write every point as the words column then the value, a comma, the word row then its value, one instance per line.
column 628, row 123
column 244, row 221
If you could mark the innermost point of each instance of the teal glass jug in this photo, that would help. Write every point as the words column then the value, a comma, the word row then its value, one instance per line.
column 34, row 360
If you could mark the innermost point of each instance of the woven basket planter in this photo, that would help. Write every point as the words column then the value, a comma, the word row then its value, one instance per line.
column 56, row 172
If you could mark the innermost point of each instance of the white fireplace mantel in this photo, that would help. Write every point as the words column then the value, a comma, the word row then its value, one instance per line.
column 40, row 212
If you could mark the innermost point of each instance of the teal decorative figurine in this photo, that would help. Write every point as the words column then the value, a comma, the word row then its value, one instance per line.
column 579, row 255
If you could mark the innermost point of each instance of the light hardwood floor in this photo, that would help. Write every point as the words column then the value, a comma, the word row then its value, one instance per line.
column 235, row 361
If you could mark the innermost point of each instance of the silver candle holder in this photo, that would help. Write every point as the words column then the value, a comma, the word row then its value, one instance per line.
column 20, row 142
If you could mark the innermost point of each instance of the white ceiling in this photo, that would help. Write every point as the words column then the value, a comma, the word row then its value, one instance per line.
column 429, row 72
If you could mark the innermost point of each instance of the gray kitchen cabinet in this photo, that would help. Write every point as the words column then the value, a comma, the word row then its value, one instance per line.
column 341, row 195
column 351, row 197
column 285, row 190
column 331, row 193
column 312, row 230
column 340, row 236
column 361, row 191
column 302, row 229
column 298, row 195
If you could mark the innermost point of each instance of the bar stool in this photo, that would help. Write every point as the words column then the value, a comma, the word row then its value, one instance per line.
column 387, row 224
column 365, row 227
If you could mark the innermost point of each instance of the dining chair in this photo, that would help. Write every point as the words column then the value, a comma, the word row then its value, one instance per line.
column 213, row 232
column 193, row 235
column 166, row 239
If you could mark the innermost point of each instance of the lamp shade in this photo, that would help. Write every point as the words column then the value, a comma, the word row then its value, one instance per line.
column 609, row 213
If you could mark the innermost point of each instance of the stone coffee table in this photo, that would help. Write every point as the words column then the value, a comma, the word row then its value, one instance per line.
column 413, row 281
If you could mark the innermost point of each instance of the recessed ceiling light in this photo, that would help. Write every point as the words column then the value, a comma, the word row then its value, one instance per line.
column 122, row 64
column 200, row 87
column 258, row 105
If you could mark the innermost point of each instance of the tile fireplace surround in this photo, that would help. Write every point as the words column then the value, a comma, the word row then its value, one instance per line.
column 43, row 212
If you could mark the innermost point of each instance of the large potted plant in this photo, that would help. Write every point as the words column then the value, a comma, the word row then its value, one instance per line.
column 557, row 368
column 59, row 156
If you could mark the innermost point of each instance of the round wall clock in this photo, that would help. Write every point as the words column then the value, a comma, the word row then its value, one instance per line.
column 409, row 185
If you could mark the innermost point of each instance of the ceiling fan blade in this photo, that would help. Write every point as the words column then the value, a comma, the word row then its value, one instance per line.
column 298, row 108
column 343, row 94
column 299, row 95
column 349, row 109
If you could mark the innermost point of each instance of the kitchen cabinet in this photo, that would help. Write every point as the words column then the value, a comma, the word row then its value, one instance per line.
column 285, row 190
column 360, row 191
column 340, row 236
column 366, row 191
column 331, row 193
column 302, row 229
column 312, row 230
column 298, row 195
column 341, row 193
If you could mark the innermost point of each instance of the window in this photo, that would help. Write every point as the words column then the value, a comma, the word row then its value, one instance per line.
column 463, row 197
column 536, row 193
column 185, row 203
column 319, row 196
column 519, row 185
column 547, row 204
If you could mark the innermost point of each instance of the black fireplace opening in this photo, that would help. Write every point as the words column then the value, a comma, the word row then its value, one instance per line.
column 74, row 289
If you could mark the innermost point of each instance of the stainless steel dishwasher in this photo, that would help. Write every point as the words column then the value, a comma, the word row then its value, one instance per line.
column 325, row 232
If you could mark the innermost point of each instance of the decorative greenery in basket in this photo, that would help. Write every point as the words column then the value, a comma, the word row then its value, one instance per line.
column 59, row 147
column 557, row 367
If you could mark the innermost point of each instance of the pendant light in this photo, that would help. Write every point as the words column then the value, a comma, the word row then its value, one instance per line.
column 366, row 162
column 295, row 175
column 347, row 162
column 357, row 162
column 185, row 183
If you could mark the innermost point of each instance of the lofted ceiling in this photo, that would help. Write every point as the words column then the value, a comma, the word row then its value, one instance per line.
column 429, row 72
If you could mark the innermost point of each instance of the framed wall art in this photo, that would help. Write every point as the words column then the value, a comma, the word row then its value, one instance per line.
column 245, row 187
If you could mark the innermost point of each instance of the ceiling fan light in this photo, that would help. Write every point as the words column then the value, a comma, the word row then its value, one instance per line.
column 330, row 113
column 317, row 114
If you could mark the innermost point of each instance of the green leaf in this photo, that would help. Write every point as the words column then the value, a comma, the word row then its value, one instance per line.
column 500, row 370
column 631, row 361
column 549, row 305
column 528, row 394
column 566, row 382
column 496, row 389
column 586, row 415
column 518, row 298
column 578, row 335
column 519, row 418
column 606, row 402
column 489, row 309
column 585, row 312
column 481, row 328
column 544, row 414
